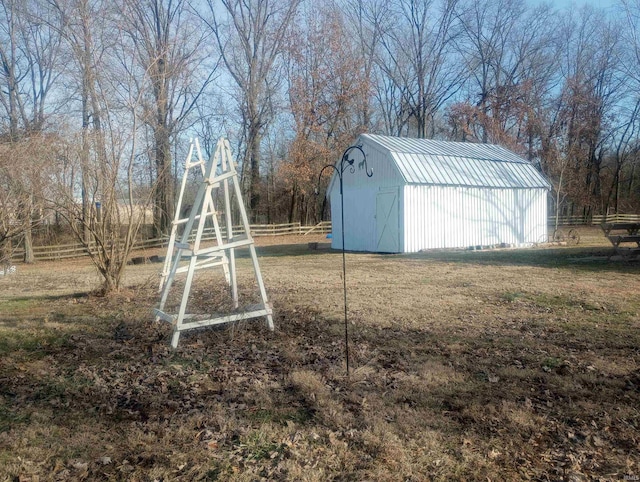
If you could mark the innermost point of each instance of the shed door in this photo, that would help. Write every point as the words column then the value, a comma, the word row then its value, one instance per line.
column 387, row 228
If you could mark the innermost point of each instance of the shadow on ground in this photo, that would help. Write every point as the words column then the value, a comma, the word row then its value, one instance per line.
column 443, row 402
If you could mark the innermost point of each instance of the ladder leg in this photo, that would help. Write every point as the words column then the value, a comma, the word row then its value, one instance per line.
column 175, row 338
column 234, row 278
column 227, row 163
column 183, row 304
column 263, row 292
column 167, row 261
column 176, row 218
column 169, row 280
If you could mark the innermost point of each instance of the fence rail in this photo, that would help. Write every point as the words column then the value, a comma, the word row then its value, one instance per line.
column 75, row 250
column 595, row 220
column 66, row 251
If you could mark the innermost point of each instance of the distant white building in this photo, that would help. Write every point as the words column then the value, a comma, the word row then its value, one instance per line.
column 427, row 194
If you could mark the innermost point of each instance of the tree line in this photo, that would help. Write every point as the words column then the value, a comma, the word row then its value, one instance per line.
column 100, row 97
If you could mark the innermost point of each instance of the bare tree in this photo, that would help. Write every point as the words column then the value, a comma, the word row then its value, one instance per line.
column 418, row 55
column 488, row 29
column 592, row 87
column 630, row 64
column 251, row 35
column 101, row 152
column 511, row 53
column 82, row 24
column 371, row 20
column 15, row 199
column 582, row 123
column 389, row 97
column 9, row 95
column 114, row 225
column 630, row 10
column 169, row 44
column 108, row 179
column 625, row 149
column 29, row 52
column 386, row 108
column 24, row 166
column 327, row 86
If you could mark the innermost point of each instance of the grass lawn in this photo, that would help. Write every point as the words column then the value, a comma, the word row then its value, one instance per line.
column 489, row 365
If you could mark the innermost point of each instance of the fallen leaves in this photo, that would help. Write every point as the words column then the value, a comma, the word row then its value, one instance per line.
column 470, row 387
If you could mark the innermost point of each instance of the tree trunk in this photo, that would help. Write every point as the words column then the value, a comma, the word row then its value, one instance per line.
column 324, row 208
column 292, row 205
column 111, row 283
column 253, row 144
column 631, row 179
column 86, row 206
column 163, row 209
column 10, row 68
column 303, row 209
column 85, row 62
column 163, row 206
column 5, row 254
column 29, row 258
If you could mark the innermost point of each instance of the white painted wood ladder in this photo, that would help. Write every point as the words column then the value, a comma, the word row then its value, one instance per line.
column 221, row 254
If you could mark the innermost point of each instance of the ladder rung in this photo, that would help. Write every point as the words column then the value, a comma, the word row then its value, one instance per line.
column 185, row 220
column 215, row 179
column 161, row 315
column 222, row 247
column 211, row 264
column 220, row 319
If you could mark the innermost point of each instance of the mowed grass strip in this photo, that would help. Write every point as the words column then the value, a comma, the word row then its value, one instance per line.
column 509, row 365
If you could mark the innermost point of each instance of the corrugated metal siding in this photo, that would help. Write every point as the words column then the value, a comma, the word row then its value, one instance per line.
column 469, row 172
column 424, row 161
column 456, row 217
column 445, row 148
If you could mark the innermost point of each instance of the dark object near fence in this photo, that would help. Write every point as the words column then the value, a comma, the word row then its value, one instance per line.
column 623, row 233
column 572, row 237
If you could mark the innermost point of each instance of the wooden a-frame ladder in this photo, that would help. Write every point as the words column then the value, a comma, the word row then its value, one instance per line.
column 199, row 257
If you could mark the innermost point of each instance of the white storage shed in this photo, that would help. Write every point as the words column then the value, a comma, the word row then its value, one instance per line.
column 427, row 194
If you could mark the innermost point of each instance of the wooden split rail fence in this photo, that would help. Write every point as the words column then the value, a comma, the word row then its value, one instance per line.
column 594, row 220
column 75, row 250
column 65, row 251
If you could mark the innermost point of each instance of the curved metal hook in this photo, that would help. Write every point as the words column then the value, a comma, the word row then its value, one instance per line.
column 317, row 189
column 350, row 161
column 345, row 162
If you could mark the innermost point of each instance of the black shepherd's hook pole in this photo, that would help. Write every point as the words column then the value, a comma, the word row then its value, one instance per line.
column 345, row 162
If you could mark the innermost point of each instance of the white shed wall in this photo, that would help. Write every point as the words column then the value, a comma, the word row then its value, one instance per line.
column 359, row 220
column 360, row 193
column 457, row 217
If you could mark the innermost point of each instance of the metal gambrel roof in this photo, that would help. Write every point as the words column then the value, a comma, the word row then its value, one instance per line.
column 425, row 161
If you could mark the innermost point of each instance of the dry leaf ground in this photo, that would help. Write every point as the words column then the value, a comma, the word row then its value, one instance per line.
column 491, row 365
